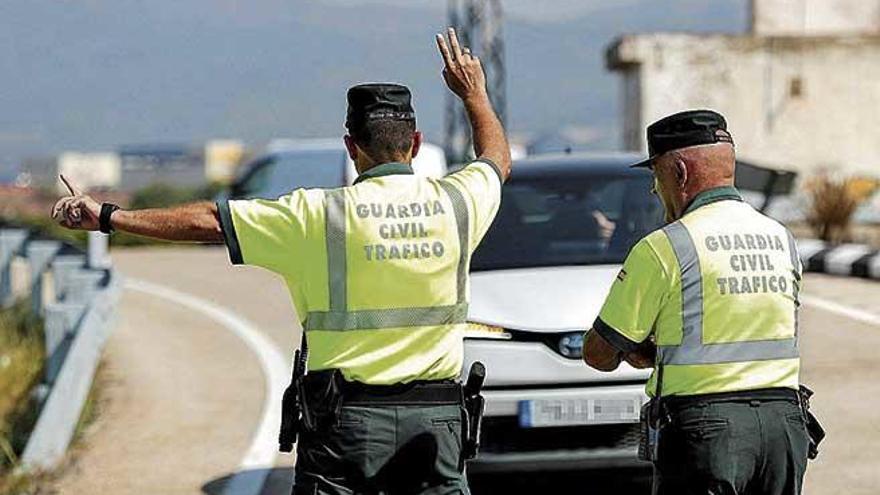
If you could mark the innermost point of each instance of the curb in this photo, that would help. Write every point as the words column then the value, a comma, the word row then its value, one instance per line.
column 851, row 260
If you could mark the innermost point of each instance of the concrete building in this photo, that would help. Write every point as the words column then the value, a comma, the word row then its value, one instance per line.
column 90, row 170
column 800, row 90
column 134, row 167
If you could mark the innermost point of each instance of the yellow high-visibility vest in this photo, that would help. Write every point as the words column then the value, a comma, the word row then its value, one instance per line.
column 377, row 271
column 718, row 291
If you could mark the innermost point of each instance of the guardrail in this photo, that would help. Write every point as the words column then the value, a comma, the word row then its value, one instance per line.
column 76, row 294
column 852, row 260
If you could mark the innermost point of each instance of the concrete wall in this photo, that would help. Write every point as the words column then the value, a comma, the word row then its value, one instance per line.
column 815, row 17
column 89, row 170
column 793, row 103
column 222, row 157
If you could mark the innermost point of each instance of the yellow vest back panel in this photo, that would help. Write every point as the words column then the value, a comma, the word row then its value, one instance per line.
column 718, row 292
column 378, row 271
column 739, row 276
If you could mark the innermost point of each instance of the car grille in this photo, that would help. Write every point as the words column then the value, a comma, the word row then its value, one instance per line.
column 503, row 434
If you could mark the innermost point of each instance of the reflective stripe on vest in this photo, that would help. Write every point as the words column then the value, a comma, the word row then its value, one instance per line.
column 692, row 350
column 334, row 221
column 339, row 318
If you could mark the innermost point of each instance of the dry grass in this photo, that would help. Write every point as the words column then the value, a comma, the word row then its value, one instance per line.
column 21, row 365
column 833, row 201
column 21, row 341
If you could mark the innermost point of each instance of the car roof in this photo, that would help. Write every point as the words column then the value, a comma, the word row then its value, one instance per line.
column 578, row 164
column 286, row 147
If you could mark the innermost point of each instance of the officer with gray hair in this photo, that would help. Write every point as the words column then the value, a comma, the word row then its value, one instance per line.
column 710, row 301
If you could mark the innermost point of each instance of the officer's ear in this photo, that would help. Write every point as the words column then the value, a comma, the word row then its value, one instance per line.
column 416, row 143
column 681, row 172
column 351, row 146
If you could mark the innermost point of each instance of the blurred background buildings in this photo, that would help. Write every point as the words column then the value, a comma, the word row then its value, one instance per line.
column 797, row 80
column 135, row 167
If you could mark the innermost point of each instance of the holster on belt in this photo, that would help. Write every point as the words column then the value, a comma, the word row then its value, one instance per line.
column 291, row 406
column 650, row 422
column 475, row 406
column 814, row 429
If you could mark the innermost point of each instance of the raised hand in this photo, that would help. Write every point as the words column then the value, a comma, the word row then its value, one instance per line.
column 77, row 211
column 462, row 71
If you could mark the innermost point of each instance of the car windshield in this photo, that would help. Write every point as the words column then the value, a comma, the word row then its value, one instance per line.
column 582, row 220
column 281, row 173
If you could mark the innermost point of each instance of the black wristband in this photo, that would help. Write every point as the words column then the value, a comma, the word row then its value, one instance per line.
column 107, row 209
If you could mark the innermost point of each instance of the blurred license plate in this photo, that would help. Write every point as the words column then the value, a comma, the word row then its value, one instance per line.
column 573, row 412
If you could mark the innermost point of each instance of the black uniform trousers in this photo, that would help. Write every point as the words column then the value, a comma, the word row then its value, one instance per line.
column 732, row 444
column 384, row 450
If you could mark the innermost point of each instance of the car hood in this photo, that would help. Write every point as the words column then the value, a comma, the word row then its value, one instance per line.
column 555, row 299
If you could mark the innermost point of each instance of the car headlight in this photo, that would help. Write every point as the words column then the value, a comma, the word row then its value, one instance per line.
column 571, row 345
column 483, row 331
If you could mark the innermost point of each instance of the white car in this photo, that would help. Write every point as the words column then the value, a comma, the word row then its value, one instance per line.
column 290, row 164
column 538, row 281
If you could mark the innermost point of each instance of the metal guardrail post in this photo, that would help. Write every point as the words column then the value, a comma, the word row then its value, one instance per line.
column 98, row 257
column 84, row 285
column 76, row 325
column 63, row 268
column 59, row 327
column 39, row 255
column 11, row 241
column 63, row 405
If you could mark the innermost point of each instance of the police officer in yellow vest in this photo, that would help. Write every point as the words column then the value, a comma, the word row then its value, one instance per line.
column 378, row 274
column 710, row 301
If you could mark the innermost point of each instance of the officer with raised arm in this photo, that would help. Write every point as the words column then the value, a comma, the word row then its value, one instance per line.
column 710, row 302
column 378, row 274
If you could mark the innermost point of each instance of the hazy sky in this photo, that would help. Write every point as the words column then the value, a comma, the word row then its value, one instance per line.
column 97, row 74
column 531, row 10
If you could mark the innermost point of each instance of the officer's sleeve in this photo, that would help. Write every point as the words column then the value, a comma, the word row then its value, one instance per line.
column 635, row 299
column 479, row 183
column 265, row 233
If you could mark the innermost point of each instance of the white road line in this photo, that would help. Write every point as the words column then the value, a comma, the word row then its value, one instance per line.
column 839, row 309
column 260, row 456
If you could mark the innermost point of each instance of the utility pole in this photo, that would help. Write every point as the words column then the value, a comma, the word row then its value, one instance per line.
column 479, row 27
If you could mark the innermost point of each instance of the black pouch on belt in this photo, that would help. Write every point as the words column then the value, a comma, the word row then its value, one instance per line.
column 321, row 399
column 647, row 432
column 650, row 424
column 814, row 429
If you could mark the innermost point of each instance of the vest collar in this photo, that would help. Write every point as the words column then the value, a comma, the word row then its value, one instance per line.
column 713, row 195
column 390, row 168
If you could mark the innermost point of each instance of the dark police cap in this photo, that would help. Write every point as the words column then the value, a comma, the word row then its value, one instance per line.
column 378, row 101
column 685, row 129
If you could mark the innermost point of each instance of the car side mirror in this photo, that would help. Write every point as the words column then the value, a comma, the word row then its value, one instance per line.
column 236, row 190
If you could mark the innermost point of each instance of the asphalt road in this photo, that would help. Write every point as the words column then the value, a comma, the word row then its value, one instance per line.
column 184, row 396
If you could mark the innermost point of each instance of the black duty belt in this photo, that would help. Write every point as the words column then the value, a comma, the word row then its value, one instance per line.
column 674, row 402
column 415, row 393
